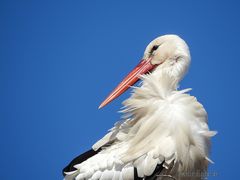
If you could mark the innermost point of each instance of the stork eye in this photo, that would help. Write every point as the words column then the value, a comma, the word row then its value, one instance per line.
column 154, row 48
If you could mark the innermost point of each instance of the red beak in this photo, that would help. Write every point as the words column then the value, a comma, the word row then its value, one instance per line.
column 142, row 68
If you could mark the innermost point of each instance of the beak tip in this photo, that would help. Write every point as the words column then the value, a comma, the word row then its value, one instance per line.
column 101, row 105
column 105, row 102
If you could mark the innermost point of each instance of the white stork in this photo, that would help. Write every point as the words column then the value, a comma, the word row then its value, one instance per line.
column 164, row 133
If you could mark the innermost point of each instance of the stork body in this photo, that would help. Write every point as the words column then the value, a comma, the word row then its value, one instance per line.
column 164, row 133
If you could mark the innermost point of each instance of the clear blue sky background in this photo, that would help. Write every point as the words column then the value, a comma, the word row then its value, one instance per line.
column 59, row 60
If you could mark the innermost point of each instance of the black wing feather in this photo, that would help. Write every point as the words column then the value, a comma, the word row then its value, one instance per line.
column 79, row 159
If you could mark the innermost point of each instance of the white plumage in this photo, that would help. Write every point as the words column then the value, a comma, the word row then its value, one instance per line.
column 161, row 125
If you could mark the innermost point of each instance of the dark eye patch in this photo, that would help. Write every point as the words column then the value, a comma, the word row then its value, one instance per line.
column 154, row 48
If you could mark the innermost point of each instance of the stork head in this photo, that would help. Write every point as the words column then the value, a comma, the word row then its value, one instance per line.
column 167, row 53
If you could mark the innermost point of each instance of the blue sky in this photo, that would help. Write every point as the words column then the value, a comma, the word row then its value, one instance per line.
column 59, row 60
